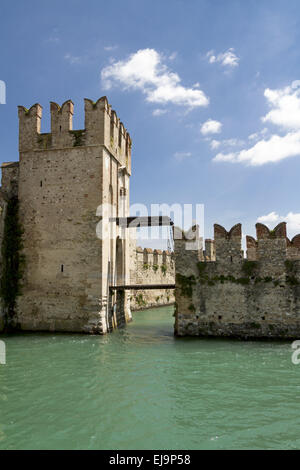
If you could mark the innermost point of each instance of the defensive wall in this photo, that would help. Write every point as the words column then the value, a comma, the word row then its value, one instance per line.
column 219, row 292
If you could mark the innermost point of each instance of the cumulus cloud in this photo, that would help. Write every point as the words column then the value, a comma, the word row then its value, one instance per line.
column 272, row 219
column 211, row 127
column 226, row 59
column 274, row 149
column 145, row 71
column 180, row 156
column 214, row 144
column 284, row 113
column 285, row 104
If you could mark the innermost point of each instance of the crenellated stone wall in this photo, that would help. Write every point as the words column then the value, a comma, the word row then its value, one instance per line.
column 151, row 267
column 228, row 295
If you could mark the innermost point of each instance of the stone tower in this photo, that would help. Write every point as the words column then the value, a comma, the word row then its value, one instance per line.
column 70, row 183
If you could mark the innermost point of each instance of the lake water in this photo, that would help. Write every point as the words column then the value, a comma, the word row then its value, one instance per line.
column 141, row 388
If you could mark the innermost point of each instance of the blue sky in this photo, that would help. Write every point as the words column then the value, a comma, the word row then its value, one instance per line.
column 207, row 89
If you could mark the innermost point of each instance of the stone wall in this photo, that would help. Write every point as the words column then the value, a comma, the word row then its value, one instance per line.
column 64, row 177
column 8, row 190
column 152, row 267
column 229, row 295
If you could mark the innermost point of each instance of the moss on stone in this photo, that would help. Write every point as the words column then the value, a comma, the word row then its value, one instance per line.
column 201, row 267
column 44, row 141
column 78, row 137
column 140, row 300
column 290, row 266
column 243, row 280
column 13, row 261
column 164, row 269
column 186, row 284
column 249, row 267
column 255, row 325
column 292, row 280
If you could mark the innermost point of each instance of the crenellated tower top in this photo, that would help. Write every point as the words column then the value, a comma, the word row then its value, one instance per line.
column 102, row 127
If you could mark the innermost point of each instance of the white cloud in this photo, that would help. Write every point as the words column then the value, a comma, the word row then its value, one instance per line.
column 274, row 149
column 226, row 59
column 257, row 135
column 211, row 127
column 233, row 142
column 269, row 219
column 214, row 144
column 73, row 59
column 159, row 112
column 284, row 113
column 272, row 219
column 285, row 104
column 180, row 156
column 145, row 71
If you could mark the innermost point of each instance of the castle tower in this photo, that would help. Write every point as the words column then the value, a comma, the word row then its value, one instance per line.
column 71, row 182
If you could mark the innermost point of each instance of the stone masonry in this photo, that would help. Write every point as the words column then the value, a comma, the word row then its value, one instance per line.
column 221, row 293
column 152, row 267
column 63, row 179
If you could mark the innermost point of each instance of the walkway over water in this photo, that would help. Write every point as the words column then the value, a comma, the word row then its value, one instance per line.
column 143, row 287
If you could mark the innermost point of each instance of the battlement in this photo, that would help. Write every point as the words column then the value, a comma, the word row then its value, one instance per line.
column 102, row 127
column 149, row 257
column 151, row 267
column 230, row 295
column 226, row 247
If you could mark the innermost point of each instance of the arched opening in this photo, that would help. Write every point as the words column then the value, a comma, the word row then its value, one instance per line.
column 111, row 235
column 119, row 262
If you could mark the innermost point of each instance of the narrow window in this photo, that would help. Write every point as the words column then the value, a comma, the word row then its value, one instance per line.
column 120, row 137
column 231, row 259
column 59, row 128
column 220, row 317
column 62, row 268
column 41, row 183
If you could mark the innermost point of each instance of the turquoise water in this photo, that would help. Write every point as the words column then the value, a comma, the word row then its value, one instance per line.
column 141, row 388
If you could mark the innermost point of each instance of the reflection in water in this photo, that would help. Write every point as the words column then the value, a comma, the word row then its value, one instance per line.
column 142, row 388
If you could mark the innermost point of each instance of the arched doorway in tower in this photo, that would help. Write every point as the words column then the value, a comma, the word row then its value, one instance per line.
column 111, row 236
column 119, row 313
column 120, row 271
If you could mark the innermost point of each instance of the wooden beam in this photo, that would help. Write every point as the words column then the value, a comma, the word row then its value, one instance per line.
column 133, row 222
